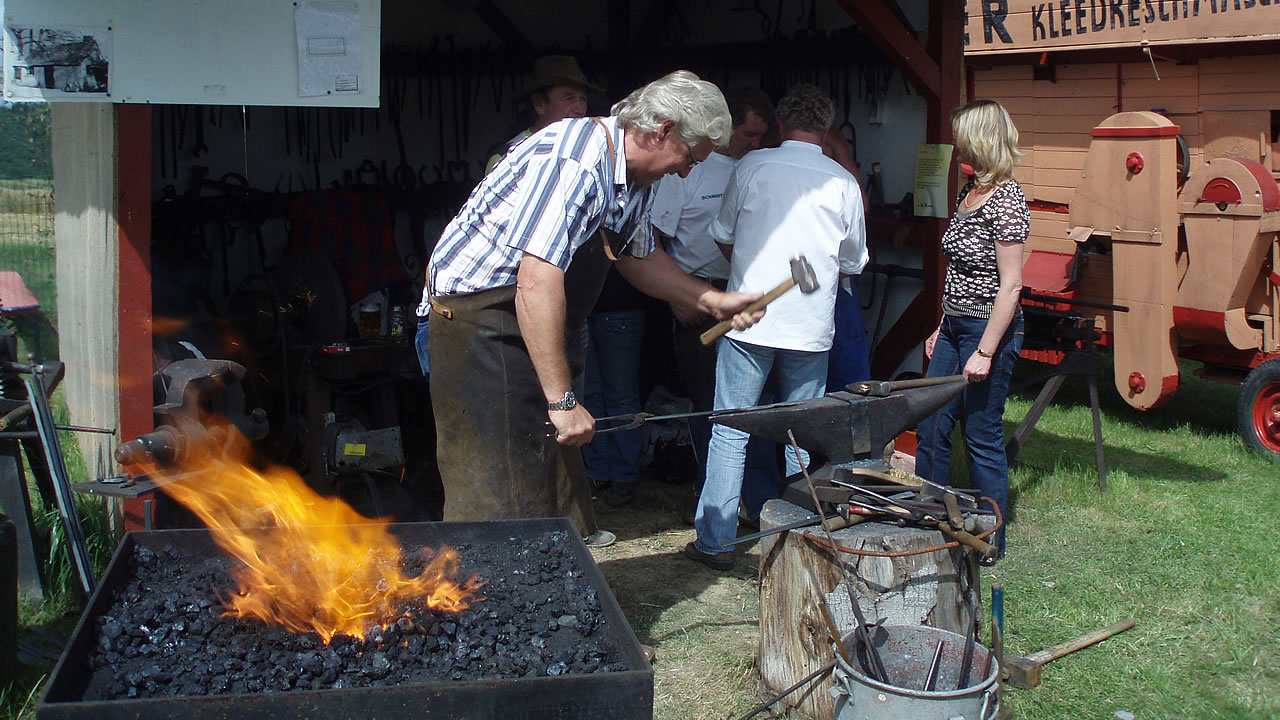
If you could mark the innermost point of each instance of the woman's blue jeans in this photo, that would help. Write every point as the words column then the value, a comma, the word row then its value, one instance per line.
column 980, row 407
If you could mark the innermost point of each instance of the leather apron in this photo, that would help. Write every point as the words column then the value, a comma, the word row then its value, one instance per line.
column 495, row 447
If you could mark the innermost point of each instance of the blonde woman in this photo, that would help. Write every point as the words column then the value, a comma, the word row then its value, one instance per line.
column 981, row 330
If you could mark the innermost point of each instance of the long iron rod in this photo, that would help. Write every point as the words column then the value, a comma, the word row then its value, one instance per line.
column 61, row 481
column 803, row 681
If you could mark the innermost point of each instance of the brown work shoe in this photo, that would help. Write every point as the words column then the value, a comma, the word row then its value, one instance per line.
column 718, row 561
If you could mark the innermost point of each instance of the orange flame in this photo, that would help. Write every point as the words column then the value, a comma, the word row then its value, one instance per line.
column 311, row 563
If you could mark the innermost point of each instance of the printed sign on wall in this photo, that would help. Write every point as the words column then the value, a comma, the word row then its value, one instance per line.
column 996, row 26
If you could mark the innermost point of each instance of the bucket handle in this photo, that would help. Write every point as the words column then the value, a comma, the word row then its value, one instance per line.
column 987, row 704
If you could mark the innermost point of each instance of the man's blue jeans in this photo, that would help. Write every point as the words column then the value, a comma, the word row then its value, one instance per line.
column 741, row 370
column 611, row 384
column 980, row 405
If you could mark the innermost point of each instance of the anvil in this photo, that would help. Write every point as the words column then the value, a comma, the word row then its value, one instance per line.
column 841, row 430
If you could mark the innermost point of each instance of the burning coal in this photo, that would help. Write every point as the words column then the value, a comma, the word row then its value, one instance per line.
column 310, row 563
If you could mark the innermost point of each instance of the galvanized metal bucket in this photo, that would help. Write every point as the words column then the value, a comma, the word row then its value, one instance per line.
column 907, row 652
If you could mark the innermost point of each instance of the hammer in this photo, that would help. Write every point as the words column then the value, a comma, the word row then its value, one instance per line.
column 801, row 274
column 1024, row 672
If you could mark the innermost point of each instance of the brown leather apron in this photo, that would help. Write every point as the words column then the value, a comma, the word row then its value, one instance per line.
column 496, row 451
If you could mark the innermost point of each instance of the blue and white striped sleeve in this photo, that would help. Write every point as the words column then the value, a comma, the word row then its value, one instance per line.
column 555, row 206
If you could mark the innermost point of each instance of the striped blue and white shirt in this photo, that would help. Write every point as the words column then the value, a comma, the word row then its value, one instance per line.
column 547, row 197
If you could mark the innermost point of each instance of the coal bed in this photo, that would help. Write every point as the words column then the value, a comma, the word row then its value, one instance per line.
column 547, row 640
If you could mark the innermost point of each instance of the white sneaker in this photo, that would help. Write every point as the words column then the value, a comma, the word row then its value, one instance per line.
column 600, row 539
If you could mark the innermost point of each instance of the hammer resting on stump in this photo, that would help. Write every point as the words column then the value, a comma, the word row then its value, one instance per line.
column 801, row 275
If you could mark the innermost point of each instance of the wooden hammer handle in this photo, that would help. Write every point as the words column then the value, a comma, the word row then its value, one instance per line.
column 1080, row 643
column 725, row 326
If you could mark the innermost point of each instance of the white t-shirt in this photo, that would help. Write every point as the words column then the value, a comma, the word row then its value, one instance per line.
column 779, row 203
column 683, row 209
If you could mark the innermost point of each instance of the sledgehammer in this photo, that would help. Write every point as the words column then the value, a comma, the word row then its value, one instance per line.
column 801, row 274
column 1024, row 672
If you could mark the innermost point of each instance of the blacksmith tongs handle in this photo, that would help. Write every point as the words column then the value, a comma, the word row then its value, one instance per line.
column 633, row 420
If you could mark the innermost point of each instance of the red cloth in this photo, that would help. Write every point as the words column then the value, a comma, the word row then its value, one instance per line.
column 14, row 295
column 354, row 231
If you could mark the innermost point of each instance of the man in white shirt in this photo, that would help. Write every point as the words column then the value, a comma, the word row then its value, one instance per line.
column 683, row 208
column 779, row 203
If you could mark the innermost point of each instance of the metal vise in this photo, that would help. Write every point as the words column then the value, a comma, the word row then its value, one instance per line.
column 202, row 399
column 843, row 430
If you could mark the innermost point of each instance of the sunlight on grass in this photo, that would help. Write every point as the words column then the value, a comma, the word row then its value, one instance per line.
column 1184, row 541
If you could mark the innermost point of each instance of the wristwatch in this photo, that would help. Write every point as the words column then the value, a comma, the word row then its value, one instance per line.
column 568, row 402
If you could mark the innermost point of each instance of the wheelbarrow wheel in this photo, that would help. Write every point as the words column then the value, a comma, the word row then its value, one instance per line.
column 1258, row 409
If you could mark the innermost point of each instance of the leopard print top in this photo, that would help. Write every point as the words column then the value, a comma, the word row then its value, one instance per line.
column 969, row 243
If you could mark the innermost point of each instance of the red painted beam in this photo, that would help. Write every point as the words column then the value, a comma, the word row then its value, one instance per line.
column 879, row 22
column 133, row 217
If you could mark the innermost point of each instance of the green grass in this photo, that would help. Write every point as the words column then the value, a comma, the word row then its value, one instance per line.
column 1184, row 541
column 27, row 247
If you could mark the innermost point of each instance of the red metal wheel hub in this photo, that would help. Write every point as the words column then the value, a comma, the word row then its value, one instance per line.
column 1266, row 416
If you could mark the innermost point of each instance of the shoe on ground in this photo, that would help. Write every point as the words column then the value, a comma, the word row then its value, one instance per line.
column 720, row 561
column 746, row 520
column 620, row 494
column 600, row 539
column 649, row 653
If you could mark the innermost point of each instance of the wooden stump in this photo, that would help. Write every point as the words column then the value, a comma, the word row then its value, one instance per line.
column 795, row 572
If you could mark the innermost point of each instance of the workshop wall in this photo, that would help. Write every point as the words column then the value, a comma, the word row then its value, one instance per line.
column 226, row 178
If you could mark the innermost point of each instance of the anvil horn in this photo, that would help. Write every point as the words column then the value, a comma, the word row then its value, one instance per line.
column 842, row 427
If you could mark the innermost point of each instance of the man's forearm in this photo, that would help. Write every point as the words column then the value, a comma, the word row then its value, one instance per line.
column 540, row 308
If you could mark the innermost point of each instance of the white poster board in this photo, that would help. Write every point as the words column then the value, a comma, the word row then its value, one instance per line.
column 216, row 52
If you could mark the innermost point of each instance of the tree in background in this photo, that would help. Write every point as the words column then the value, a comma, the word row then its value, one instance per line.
column 25, row 150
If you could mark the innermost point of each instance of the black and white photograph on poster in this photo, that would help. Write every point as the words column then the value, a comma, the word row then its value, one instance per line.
column 57, row 63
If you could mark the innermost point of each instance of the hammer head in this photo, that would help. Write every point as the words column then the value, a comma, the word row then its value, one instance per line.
column 802, row 273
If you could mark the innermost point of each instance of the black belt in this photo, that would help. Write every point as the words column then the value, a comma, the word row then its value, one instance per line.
column 717, row 283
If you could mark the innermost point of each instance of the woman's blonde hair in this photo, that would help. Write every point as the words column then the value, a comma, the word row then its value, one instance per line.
column 986, row 139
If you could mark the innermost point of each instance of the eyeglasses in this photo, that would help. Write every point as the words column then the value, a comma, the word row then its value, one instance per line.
column 693, row 162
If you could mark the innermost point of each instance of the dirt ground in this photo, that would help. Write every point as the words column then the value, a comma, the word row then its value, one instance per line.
column 703, row 624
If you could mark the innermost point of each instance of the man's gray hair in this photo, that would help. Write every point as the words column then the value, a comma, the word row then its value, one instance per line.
column 696, row 106
column 807, row 108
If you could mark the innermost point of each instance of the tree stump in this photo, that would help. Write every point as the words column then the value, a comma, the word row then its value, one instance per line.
column 795, row 572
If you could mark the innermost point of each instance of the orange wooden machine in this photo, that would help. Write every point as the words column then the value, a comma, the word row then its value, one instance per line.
column 1171, row 262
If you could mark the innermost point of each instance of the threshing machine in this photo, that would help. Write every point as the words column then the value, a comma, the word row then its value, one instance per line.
column 1173, row 262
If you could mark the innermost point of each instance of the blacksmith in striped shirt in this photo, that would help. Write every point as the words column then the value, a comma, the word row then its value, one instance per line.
column 517, row 270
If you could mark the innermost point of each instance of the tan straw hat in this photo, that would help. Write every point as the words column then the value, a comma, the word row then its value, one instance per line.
column 551, row 70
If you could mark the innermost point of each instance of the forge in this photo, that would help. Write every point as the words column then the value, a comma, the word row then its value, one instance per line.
column 544, row 638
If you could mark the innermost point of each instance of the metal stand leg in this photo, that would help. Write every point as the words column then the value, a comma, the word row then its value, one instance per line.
column 1099, row 456
column 1033, row 416
column 1073, row 364
column 15, row 501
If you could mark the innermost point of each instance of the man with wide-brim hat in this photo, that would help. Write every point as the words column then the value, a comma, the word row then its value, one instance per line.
column 557, row 90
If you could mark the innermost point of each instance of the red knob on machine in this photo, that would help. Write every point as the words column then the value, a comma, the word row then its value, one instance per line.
column 1134, row 162
column 1137, row 381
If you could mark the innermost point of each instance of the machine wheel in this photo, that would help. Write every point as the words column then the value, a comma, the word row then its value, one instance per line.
column 1258, row 409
